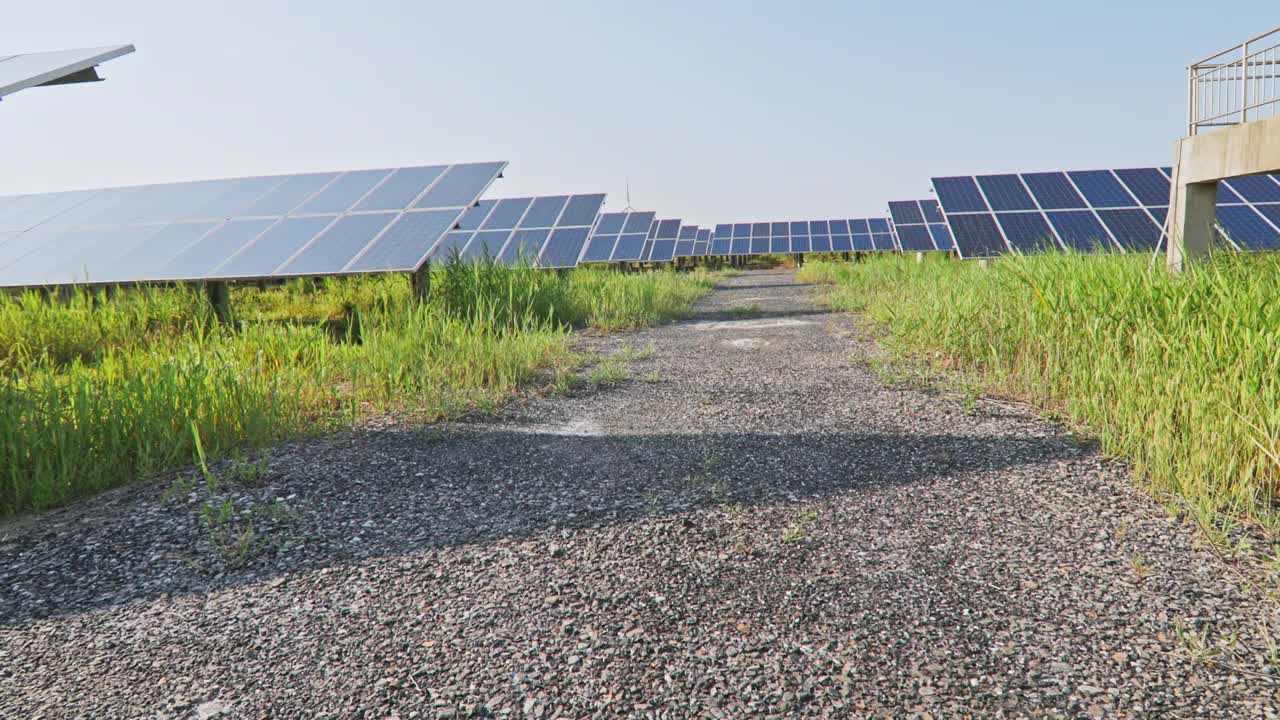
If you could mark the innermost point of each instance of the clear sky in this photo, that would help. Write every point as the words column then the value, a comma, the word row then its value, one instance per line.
column 716, row 111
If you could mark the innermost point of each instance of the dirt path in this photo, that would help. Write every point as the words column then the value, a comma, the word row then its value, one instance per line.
column 752, row 524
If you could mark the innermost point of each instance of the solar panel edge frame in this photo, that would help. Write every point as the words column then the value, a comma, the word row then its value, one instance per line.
column 92, row 61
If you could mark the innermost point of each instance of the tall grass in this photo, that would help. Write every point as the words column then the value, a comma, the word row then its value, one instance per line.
column 1178, row 374
column 100, row 391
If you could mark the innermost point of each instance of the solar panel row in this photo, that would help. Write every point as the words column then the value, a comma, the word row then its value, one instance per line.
column 255, row 227
column 548, row 232
column 618, row 237
column 801, row 236
column 1081, row 211
column 919, row 226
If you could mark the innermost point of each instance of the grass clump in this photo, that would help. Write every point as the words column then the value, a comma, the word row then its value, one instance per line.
column 1178, row 374
column 99, row 391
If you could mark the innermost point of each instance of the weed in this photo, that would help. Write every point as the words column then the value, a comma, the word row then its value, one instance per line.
column 235, row 540
column 629, row 353
column 651, row 377
column 745, row 311
column 1139, row 565
column 94, row 395
column 1143, row 360
column 799, row 527
column 607, row 373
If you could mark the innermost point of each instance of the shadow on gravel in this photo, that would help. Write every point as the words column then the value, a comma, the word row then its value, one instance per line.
column 762, row 314
column 388, row 494
column 729, row 285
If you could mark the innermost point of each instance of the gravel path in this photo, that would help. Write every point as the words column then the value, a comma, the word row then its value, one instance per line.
column 753, row 524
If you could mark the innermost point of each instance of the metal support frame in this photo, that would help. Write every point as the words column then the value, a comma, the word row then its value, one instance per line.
column 420, row 283
column 219, row 296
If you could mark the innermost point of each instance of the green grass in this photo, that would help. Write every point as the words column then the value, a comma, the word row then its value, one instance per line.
column 101, row 391
column 744, row 311
column 1180, row 375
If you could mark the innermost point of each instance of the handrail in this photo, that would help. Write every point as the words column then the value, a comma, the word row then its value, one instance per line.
column 1236, row 85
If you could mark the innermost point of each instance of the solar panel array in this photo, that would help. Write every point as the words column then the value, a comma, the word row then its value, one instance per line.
column 256, row 227
column 1080, row 210
column 19, row 72
column 686, row 240
column 801, row 236
column 618, row 237
column 547, row 232
column 919, row 226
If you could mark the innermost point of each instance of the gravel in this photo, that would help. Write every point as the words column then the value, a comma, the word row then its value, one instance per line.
column 752, row 524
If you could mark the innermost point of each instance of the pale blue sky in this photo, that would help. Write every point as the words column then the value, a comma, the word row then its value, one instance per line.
column 717, row 111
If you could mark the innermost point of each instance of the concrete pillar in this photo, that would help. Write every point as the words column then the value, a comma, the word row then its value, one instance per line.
column 420, row 283
column 985, row 263
column 919, row 258
column 1191, row 234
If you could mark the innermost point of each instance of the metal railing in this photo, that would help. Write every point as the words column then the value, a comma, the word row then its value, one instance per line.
column 1236, row 85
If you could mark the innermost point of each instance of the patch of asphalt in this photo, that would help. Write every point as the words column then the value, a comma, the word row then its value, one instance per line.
column 751, row 525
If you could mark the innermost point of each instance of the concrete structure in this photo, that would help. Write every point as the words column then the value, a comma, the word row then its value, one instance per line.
column 1200, row 162
column 1238, row 90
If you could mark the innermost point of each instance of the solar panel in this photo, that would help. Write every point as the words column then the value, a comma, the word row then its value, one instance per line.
column 661, row 244
column 241, row 228
column 919, row 226
column 685, row 241
column 618, row 237
column 1092, row 210
column 702, row 243
column 59, row 67
column 549, row 231
column 798, row 237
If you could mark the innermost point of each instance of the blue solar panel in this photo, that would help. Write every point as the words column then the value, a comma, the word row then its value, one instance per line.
column 330, row 251
column 1079, row 229
column 406, row 243
column 629, row 248
column 1133, row 229
column 624, row 246
column 913, row 234
column 906, row 212
column 290, row 194
column 664, row 250
column 401, row 189
column 780, row 244
column 274, row 246
column 1149, row 185
column 475, row 215
column 800, row 241
column 485, row 245
column 1052, row 191
column 976, row 235
column 1256, row 188
column 941, row 237
column 639, row 222
column 460, row 185
column 1027, row 231
column 452, row 245
column 506, row 214
column 820, row 243
column 610, row 223
column 544, row 212
column 1227, row 196
column 1005, row 192
column 1101, row 189
column 341, row 194
column 915, row 238
column 959, row 194
column 932, row 211
column 524, row 246
column 841, row 243
column 720, row 240
column 1247, row 228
